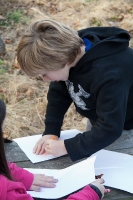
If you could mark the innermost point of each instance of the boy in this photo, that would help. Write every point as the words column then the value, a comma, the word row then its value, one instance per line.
column 93, row 68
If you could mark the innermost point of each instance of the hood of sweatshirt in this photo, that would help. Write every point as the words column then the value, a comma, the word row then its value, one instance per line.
column 106, row 41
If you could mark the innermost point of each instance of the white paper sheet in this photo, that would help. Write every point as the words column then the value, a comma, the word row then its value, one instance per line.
column 111, row 159
column 70, row 179
column 119, row 178
column 27, row 144
column 117, row 169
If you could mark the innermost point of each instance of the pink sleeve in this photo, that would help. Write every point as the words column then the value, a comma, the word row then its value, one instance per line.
column 21, row 175
column 11, row 190
column 87, row 193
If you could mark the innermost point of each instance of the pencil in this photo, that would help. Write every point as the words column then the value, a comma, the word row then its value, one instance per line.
column 54, row 138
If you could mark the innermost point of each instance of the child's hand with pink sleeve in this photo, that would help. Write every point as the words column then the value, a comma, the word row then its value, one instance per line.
column 40, row 180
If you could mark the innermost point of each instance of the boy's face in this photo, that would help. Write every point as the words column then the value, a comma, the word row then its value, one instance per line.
column 63, row 74
column 58, row 75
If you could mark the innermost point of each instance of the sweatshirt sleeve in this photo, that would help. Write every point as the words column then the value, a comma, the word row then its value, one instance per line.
column 21, row 175
column 11, row 190
column 87, row 193
column 58, row 103
column 111, row 103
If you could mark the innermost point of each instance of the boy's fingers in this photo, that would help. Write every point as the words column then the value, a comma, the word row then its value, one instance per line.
column 38, row 145
column 37, row 149
column 47, row 142
column 34, row 149
column 42, row 151
column 47, row 149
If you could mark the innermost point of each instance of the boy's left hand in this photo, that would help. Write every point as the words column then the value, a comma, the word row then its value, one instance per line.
column 55, row 147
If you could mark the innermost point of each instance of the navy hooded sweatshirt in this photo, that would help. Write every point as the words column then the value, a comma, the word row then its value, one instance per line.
column 101, row 87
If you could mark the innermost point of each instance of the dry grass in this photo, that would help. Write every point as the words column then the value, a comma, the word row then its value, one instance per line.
column 25, row 97
column 26, row 107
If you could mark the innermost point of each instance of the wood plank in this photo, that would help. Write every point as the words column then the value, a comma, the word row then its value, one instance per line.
column 124, row 145
column 14, row 153
column 125, row 141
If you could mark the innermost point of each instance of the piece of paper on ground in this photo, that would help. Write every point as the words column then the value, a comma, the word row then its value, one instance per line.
column 70, row 179
column 27, row 144
column 117, row 169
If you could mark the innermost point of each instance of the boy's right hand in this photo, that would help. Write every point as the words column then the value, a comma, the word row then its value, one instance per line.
column 40, row 145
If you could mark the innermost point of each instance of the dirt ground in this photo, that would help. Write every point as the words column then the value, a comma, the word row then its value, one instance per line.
column 25, row 97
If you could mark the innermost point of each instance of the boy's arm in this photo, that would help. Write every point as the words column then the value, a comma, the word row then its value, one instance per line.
column 111, row 103
column 58, row 103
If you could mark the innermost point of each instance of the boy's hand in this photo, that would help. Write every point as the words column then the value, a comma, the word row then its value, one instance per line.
column 40, row 180
column 55, row 147
column 40, row 145
column 98, row 183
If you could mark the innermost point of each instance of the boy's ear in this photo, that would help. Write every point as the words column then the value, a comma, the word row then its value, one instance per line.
column 6, row 140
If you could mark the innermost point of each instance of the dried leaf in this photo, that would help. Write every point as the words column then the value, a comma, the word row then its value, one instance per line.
column 2, row 90
column 29, row 92
column 8, row 41
column 16, row 64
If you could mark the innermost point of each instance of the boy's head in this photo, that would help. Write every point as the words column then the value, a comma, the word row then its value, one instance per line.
column 47, row 45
